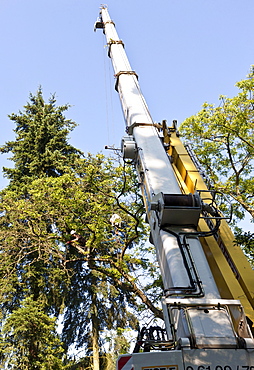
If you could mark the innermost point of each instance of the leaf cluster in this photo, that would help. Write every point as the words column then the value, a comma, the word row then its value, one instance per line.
column 223, row 140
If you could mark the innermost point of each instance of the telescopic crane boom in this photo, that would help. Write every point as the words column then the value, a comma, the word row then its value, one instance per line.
column 208, row 283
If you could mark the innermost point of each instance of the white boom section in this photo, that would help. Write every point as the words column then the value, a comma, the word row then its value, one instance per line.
column 195, row 315
column 159, row 172
column 154, row 168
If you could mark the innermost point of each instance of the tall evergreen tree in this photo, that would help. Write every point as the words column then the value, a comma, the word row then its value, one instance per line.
column 41, row 147
column 91, row 277
column 30, row 340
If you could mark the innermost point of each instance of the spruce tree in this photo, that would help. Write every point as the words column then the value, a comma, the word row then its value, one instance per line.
column 53, row 190
column 30, row 340
column 41, row 147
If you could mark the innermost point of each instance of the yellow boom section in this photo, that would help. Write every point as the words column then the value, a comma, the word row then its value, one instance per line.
column 231, row 270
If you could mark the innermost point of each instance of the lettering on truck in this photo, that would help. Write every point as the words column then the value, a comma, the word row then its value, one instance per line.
column 167, row 367
column 220, row 367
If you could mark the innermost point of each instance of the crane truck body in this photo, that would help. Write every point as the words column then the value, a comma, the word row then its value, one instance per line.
column 208, row 284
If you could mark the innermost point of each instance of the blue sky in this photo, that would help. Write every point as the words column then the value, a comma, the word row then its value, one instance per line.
column 185, row 52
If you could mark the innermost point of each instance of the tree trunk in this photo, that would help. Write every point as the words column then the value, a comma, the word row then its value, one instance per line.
column 95, row 326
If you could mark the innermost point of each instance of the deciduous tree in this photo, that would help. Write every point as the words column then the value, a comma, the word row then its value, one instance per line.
column 69, row 276
column 223, row 140
column 91, row 280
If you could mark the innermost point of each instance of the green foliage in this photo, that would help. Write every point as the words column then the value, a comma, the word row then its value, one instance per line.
column 246, row 241
column 119, row 344
column 54, row 189
column 41, row 147
column 30, row 339
column 223, row 140
column 38, row 261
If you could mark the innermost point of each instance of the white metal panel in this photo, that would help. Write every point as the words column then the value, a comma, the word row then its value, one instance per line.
column 195, row 359
column 203, row 268
column 133, row 103
column 218, row 359
column 206, row 326
column 172, row 266
column 171, row 360
column 159, row 173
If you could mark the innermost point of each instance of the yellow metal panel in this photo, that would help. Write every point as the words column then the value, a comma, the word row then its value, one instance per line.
column 234, row 253
column 186, row 162
column 231, row 270
column 224, row 273
column 185, row 165
column 181, row 182
column 194, row 181
column 178, row 145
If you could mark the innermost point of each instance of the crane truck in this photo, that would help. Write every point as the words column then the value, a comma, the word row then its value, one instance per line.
column 208, row 283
